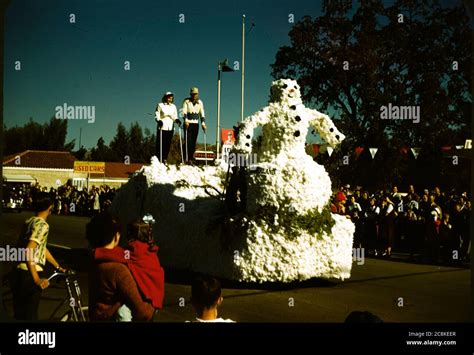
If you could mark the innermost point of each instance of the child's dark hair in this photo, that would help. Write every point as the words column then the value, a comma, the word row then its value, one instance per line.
column 139, row 230
column 205, row 292
column 101, row 230
column 43, row 202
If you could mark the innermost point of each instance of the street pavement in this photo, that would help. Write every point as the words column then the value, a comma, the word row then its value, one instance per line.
column 396, row 291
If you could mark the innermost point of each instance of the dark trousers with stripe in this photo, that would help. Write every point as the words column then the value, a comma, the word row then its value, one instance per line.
column 190, row 138
column 165, row 141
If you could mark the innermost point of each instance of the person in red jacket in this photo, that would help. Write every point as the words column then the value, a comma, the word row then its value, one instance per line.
column 338, row 205
column 111, row 283
column 140, row 255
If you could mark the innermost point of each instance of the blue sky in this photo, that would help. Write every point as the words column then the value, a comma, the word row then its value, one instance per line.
column 83, row 63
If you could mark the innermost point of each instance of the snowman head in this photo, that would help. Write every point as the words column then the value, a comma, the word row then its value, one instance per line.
column 286, row 91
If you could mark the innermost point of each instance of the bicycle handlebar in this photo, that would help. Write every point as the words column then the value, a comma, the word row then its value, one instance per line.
column 61, row 274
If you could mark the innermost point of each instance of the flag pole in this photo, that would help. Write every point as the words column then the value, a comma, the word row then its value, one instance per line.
column 243, row 70
column 218, row 108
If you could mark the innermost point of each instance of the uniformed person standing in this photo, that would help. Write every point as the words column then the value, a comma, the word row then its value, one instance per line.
column 193, row 112
column 165, row 115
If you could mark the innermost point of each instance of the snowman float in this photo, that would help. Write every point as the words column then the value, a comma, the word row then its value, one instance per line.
column 283, row 231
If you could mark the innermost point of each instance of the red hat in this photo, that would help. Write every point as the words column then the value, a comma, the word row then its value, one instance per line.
column 340, row 196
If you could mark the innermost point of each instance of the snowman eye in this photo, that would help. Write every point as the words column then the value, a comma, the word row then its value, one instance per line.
column 331, row 129
column 285, row 86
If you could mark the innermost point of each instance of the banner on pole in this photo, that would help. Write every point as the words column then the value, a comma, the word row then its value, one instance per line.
column 373, row 151
column 415, row 152
column 330, row 150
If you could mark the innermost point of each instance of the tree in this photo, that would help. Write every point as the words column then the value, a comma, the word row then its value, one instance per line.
column 135, row 142
column 148, row 147
column 119, row 143
column 49, row 136
column 31, row 135
column 131, row 143
column 81, row 153
column 102, row 152
column 54, row 134
column 353, row 66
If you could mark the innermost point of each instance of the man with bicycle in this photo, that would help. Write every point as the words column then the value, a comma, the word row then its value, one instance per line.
column 26, row 279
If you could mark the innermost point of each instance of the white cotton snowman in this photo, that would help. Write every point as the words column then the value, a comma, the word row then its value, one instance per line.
column 287, row 187
column 285, row 176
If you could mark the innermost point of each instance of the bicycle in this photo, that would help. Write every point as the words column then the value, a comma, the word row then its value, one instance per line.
column 77, row 312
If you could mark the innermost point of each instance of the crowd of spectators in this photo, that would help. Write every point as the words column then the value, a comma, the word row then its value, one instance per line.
column 68, row 199
column 429, row 225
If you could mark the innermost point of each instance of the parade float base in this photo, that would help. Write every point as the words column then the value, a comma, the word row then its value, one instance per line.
column 195, row 233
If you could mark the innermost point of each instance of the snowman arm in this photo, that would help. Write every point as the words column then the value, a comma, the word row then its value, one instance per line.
column 325, row 127
column 246, row 129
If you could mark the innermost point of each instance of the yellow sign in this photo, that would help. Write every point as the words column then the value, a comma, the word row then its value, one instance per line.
column 94, row 167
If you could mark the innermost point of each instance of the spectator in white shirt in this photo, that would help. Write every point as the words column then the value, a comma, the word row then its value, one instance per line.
column 206, row 297
column 96, row 205
column 193, row 111
column 354, row 206
column 166, row 115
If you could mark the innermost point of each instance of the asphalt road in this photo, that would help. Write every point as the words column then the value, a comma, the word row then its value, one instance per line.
column 393, row 290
